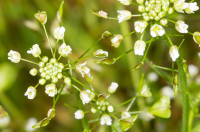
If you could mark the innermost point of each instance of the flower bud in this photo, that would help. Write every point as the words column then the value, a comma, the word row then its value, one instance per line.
column 54, row 79
column 67, row 81
column 173, row 52
column 59, row 33
column 35, row 50
column 79, row 114
column 41, row 64
column 64, row 50
column 181, row 26
column 116, row 40
column 31, row 92
column 93, row 110
column 14, row 56
column 139, row 47
column 163, row 21
column 59, row 75
column 33, row 71
column 113, row 87
column 45, row 59
column 108, row 61
column 51, row 113
column 101, row 13
column 171, row 10
column 138, row 66
column 41, row 17
column 124, row 15
column 42, row 81
column 125, row 2
column 110, row 108
column 106, row 34
column 141, row 8
column 196, row 37
column 100, row 53
column 140, row 1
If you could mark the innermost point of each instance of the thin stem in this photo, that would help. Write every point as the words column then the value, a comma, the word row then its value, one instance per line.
column 129, row 34
column 136, row 15
column 55, row 100
column 126, row 102
column 59, row 58
column 48, row 40
column 136, row 112
column 129, row 106
column 181, row 44
column 56, row 48
column 76, row 87
column 163, row 68
column 124, row 54
column 29, row 61
column 147, row 50
column 111, row 18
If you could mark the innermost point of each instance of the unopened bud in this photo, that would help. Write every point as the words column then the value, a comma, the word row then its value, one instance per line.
column 67, row 81
column 138, row 66
column 41, row 17
column 33, row 72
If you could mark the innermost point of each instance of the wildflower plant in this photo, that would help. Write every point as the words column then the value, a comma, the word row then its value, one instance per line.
column 153, row 20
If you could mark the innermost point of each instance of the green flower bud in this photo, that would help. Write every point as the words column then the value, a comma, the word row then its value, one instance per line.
column 106, row 34
column 67, row 81
column 170, row 10
column 108, row 61
column 140, row 1
column 53, row 60
column 54, row 79
column 141, row 8
column 33, row 71
column 41, row 64
column 41, row 17
column 47, row 77
column 45, row 59
column 163, row 21
column 196, row 37
column 59, row 75
column 42, row 81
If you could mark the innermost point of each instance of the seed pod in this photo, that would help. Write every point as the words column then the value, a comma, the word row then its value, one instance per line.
column 138, row 66
column 41, row 17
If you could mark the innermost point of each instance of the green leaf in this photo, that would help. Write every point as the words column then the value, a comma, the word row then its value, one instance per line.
column 161, row 108
column 126, row 124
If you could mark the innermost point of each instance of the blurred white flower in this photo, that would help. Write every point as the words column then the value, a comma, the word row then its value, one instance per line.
column 193, row 70
column 167, row 91
column 152, row 76
column 181, row 26
column 103, row 14
column 51, row 90
column 139, row 47
column 125, row 115
column 14, row 56
column 30, row 122
column 79, row 114
column 100, row 53
column 113, row 87
column 105, row 119
column 83, row 69
column 180, row 5
column 110, row 108
column 157, row 30
column 31, row 92
column 123, row 15
column 86, row 96
column 35, row 50
column 59, row 32
column 116, row 40
column 146, row 116
column 140, row 26
column 4, row 121
column 173, row 52
column 125, row 2
column 64, row 50
column 191, row 7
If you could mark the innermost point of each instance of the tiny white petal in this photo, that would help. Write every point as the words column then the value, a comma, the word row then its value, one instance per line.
column 59, row 32
column 113, row 87
column 139, row 47
column 123, row 15
column 83, row 69
column 79, row 114
column 35, row 50
column 51, row 90
column 157, row 30
column 31, row 92
column 105, row 119
column 64, row 50
column 181, row 26
column 173, row 52
column 14, row 56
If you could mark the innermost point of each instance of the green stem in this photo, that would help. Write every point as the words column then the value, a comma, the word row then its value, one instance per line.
column 185, row 103
column 29, row 61
column 56, row 48
column 48, row 40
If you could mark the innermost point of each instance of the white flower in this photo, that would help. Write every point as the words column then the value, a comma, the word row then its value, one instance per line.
column 191, row 7
column 105, row 119
column 100, row 53
column 116, row 40
column 35, row 50
column 180, row 5
column 139, row 47
column 14, row 56
column 125, row 2
column 86, row 96
column 79, row 114
column 125, row 115
column 168, row 91
column 64, row 50
column 193, row 70
column 113, row 87
column 103, row 14
column 31, row 92
column 84, row 70
column 110, row 108
column 173, row 52
column 59, row 32
column 51, row 90
column 30, row 122
column 4, row 121
column 157, row 30
column 123, row 15
column 140, row 26
column 181, row 26
column 152, row 76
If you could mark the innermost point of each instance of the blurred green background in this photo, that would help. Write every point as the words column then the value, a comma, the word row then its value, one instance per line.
column 19, row 31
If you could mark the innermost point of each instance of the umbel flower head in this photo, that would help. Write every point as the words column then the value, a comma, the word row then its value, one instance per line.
column 154, row 15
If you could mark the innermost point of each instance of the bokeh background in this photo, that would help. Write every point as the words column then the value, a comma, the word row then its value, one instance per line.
column 19, row 31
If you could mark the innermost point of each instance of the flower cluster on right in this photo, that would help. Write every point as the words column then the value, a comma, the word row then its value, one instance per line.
column 154, row 14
